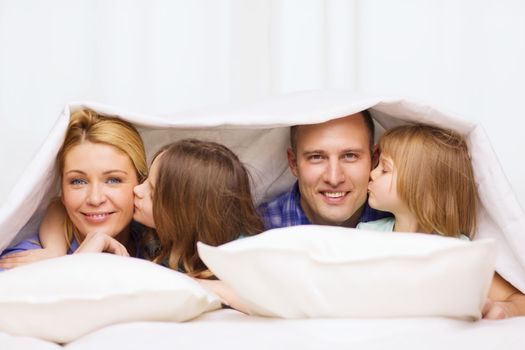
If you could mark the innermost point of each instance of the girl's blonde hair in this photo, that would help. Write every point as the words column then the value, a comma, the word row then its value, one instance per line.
column 434, row 177
column 202, row 193
column 86, row 125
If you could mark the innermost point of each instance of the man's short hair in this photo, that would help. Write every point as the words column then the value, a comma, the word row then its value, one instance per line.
column 369, row 122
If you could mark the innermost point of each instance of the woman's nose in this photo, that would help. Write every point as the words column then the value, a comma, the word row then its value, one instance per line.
column 96, row 195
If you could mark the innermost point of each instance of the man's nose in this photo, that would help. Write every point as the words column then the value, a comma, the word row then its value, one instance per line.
column 96, row 194
column 334, row 174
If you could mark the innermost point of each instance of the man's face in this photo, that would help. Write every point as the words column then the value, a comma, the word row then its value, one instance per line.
column 332, row 164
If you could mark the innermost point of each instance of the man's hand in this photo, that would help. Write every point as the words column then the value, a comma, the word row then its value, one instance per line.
column 27, row 257
column 225, row 293
column 99, row 242
column 504, row 300
column 498, row 310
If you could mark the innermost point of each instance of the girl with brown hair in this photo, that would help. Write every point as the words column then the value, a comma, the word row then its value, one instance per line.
column 196, row 191
column 425, row 178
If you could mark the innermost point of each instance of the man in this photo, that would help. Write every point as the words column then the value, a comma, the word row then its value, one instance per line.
column 332, row 162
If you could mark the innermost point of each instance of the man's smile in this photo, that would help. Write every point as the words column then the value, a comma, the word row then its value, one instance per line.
column 334, row 194
column 334, row 197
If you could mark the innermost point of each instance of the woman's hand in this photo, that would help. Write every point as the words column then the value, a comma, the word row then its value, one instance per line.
column 99, row 242
column 27, row 257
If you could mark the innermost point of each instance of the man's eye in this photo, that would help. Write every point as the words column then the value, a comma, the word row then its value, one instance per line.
column 114, row 180
column 77, row 182
column 315, row 157
column 350, row 156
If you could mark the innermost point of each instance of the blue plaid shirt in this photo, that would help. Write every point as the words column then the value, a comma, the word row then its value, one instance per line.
column 285, row 210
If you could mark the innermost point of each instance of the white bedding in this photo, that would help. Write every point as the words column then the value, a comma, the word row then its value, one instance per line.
column 259, row 134
column 229, row 329
column 233, row 330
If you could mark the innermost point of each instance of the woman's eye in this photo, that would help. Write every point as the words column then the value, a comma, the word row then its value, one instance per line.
column 77, row 182
column 114, row 180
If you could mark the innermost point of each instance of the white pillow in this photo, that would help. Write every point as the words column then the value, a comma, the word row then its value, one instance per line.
column 61, row 299
column 322, row 271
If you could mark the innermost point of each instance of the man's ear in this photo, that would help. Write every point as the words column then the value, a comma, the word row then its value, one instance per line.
column 375, row 156
column 292, row 161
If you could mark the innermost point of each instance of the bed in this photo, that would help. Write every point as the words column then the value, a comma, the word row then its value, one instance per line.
column 248, row 130
column 233, row 330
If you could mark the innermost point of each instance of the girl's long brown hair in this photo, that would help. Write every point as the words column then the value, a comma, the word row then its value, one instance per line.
column 434, row 177
column 202, row 193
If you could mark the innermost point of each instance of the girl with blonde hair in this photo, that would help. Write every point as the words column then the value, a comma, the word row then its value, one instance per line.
column 425, row 178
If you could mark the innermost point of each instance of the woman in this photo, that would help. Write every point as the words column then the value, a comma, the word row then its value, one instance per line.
column 101, row 160
column 195, row 191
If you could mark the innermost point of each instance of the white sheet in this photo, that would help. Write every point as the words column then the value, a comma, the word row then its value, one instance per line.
column 258, row 133
column 233, row 330
column 229, row 329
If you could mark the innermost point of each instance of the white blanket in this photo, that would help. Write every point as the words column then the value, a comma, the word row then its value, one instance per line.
column 259, row 135
column 228, row 329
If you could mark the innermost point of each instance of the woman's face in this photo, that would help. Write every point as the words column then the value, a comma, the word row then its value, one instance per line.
column 97, row 188
column 144, row 196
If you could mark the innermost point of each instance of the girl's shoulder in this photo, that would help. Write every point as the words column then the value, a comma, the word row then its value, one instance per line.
column 464, row 237
column 384, row 224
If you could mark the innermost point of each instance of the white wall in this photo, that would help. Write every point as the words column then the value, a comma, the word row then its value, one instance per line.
column 165, row 56
column 159, row 56
column 466, row 57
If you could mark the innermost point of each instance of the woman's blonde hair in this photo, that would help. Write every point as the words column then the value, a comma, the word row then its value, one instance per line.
column 434, row 177
column 86, row 125
column 202, row 193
